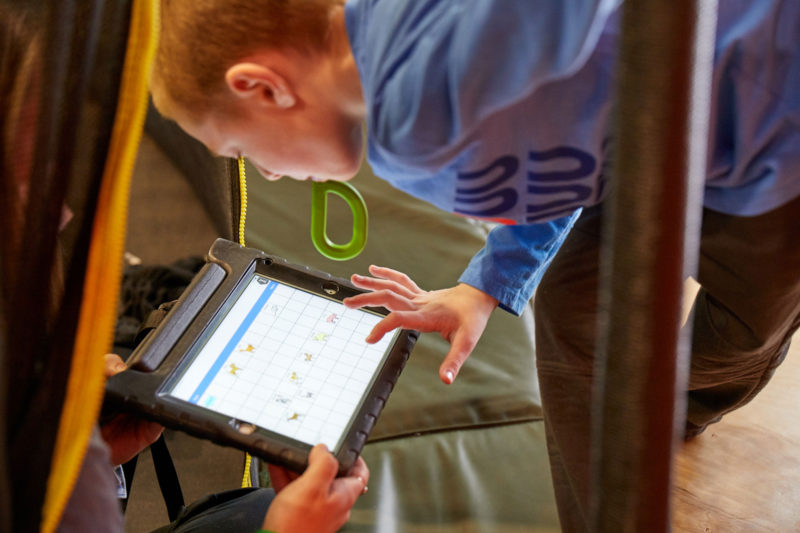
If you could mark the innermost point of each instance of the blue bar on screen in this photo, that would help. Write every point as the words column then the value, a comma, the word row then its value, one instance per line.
column 243, row 327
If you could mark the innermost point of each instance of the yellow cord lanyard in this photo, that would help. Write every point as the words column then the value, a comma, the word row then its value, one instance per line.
column 246, row 475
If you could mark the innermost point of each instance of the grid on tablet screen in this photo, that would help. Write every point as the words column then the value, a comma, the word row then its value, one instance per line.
column 296, row 364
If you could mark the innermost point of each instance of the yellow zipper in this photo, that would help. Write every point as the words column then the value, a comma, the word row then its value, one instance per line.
column 104, row 268
column 248, row 461
column 242, row 199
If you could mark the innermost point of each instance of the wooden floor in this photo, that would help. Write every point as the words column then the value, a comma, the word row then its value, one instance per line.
column 743, row 474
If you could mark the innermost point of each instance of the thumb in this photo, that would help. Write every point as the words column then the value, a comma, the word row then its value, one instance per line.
column 113, row 364
column 461, row 347
column 322, row 467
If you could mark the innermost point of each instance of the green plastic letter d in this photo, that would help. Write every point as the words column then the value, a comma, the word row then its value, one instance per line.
column 319, row 220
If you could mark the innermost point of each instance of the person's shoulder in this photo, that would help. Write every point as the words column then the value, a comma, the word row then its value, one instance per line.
column 435, row 71
column 404, row 60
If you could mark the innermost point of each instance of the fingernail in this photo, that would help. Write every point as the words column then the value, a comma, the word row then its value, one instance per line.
column 364, row 490
column 120, row 366
column 449, row 375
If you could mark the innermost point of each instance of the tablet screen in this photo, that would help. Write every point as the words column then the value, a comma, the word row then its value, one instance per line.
column 286, row 360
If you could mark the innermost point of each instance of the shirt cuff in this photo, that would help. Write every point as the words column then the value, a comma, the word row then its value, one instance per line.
column 511, row 264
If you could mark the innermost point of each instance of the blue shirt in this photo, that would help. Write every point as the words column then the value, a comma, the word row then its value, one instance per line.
column 500, row 109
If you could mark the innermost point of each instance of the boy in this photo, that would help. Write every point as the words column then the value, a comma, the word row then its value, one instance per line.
column 500, row 110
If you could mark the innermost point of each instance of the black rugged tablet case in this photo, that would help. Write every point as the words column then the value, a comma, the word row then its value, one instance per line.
column 204, row 302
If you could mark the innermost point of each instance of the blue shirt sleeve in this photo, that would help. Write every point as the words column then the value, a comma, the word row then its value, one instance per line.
column 514, row 260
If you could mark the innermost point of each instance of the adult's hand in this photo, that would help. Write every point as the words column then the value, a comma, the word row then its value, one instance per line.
column 126, row 435
column 316, row 501
column 459, row 313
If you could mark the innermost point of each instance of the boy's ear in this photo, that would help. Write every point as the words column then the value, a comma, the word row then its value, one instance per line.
column 260, row 83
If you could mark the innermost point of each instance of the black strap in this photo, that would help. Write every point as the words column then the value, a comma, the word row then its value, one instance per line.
column 167, row 478
column 166, row 474
column 153, row 319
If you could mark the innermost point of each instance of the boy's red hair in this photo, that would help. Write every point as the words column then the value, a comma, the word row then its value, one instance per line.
column 200, row 39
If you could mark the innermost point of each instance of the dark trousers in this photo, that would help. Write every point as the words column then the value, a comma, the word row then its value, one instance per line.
column 233, row 511
column 743, row 318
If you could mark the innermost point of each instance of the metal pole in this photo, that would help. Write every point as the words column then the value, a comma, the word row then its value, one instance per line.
column 651, row 243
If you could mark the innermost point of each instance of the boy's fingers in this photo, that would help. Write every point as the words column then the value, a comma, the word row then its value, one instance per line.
column 347, row 490
column 394, row 275
column 383, row 327
column 279, row 477
column 151, row 431
column 377, row 284
column 390, row 300
column 461, row 347
column 360, row 470
column 401, row 319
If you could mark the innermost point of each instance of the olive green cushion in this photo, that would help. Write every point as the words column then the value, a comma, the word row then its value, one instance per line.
column 466, row 457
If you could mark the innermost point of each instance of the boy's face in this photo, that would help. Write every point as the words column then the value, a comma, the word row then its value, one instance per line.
column 300, row 143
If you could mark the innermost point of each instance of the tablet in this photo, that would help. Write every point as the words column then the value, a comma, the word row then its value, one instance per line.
column 262, row 355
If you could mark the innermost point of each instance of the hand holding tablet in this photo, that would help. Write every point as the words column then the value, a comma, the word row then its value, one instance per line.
column 317, row 500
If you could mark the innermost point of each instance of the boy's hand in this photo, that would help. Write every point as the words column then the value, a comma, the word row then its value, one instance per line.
column 317, row 500
column 126, row 435
column 459, row 313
